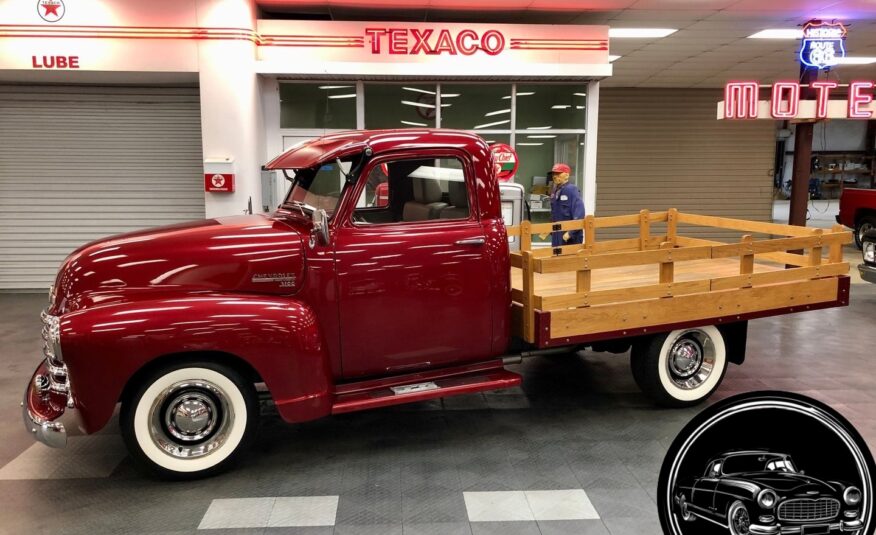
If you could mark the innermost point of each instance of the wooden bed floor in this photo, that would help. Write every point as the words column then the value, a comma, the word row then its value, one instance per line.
column 625, row 277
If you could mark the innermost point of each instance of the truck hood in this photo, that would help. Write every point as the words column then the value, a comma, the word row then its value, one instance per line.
column 254, row 253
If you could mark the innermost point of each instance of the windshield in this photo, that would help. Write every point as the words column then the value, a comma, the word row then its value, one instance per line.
column 320, row 187
column 738, row 464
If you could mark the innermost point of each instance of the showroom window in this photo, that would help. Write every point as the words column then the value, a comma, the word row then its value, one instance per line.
column 476, row 106
column 322, row 105
column 400, row 105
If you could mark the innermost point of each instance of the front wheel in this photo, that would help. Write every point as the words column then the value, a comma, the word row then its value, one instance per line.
column 189, row 420
column 738, row 520
column 864, row 225
column 680, row 368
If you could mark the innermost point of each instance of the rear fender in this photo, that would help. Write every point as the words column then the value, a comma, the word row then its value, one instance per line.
column 105, row 346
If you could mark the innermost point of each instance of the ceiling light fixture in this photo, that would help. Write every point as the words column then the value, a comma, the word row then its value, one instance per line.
column 638, row 33
column 497, row 112
column 525, row 144
column 857, row 60
column 345, row 95
column 450, row 95
column 778, row 33
column 579, row 107
column 416, row 104
column 497, row 123
column 542, row 136
column 561, row 106
column 326, row 87
column 580, row 94
column 539, row 127
column 418, row 90
column 412, row 123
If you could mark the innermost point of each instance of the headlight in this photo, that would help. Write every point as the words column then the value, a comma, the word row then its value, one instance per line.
column 767, row 499
column 870, row 252
column 852, row 496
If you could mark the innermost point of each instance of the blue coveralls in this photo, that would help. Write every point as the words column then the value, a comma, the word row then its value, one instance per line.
column 566, row 204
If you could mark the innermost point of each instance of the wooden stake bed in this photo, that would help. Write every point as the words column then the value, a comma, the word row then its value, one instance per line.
column 655, row 283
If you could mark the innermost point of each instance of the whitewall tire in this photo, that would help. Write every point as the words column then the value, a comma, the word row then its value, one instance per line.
column 680, row 368
column 189, row 420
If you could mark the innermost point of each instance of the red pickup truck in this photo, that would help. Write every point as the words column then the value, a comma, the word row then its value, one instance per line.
column 858, row 211
column 383, row 278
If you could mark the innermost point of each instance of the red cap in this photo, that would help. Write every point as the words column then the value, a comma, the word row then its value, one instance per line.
column 561, row 168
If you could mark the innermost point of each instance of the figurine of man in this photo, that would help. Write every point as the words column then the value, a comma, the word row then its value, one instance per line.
column 566, row 204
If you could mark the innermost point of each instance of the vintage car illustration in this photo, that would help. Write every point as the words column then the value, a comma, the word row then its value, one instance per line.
column 759, row 492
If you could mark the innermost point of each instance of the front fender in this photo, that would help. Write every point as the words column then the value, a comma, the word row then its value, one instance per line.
column 104, row 346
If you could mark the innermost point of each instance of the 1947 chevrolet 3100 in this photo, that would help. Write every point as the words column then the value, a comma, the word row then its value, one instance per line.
column 336, row 302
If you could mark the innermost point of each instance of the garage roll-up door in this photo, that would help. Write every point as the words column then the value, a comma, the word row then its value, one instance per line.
column 78, row 163
column 664, row 148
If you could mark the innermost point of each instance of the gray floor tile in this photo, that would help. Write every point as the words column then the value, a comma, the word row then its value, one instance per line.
column 572, row 527
column 504, row 528
column 438, row 528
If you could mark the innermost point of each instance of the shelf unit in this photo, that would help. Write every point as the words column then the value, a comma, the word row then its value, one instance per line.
column 857, row 165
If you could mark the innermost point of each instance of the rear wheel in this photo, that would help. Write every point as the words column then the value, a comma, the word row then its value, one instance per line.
column 189, row 420
column 863, row 225
column 680, row 368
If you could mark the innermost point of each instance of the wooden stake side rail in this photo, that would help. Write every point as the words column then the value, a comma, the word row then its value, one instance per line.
column 583, row 311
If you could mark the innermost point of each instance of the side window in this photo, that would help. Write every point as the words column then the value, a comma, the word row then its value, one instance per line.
column 414, row 190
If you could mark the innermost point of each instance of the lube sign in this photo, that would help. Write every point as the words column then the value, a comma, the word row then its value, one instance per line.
column 741, row 101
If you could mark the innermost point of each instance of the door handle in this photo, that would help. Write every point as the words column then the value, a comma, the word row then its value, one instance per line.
column 472, row 241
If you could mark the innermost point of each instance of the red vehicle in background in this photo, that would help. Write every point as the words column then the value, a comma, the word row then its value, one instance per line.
column 858, row 211
column 384, row 278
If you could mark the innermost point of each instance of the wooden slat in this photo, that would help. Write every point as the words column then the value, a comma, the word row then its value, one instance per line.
column 815, row 252
column 687, row 308
column 513, row 230
column 635, row 258
column 516, row 260
column 672, row 226
column 667, row 269
column 516, row 295
column 778, row 277
column 525, row 236
column 589, row 230
column 835, row 253
column 776, row 245
column 746, row 256
column 634, row 293
column 743, row 225
column 644, row 229
column 616, row 221
column 609, row 246
column 528, row 298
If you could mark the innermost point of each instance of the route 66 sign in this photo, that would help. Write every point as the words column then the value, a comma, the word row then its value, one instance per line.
column 823, row 44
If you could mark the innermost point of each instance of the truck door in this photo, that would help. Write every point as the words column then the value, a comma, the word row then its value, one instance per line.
column 412, row 269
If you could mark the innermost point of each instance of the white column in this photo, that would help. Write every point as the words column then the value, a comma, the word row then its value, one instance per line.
column 231, row 114
column 589, row 189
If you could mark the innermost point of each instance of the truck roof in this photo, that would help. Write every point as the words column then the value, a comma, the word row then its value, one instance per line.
column 331, row 146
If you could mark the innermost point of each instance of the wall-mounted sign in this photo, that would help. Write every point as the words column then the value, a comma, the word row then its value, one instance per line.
column 54, row 62
column 506, row 161
column 742, row 101
column 432, row 49
column 823, row 44
column 219, row 182
column 51, row 10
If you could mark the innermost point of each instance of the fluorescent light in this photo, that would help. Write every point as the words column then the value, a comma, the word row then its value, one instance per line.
column 539, row 127
column 640, row 32
column 490, row 141
column 613, row 58
column 580, row 94
column 450, row 95
column 497, row 112
column 857, row 60
column 417, row 104
column 412, row 123
column 561, row 106
column 520, row 94
column 579, row 107
column 542, row 136
column 778, row 33
column 334, row 86
column 345, row 95
column 418, row 90
column 525, row 144
column 497, row 123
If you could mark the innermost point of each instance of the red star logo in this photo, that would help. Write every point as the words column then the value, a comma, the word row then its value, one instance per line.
column 51, row 9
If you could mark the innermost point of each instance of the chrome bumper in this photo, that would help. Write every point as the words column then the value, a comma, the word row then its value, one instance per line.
column 868, row 272
column 42, row 407
column 847, row 525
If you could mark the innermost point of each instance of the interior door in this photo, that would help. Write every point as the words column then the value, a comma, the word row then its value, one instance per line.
column 413, row 294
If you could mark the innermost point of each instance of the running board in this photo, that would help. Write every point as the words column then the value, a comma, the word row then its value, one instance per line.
column 418, row 387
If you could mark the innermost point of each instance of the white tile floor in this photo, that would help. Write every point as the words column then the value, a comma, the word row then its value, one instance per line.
column 514, row 506
column 299, row 511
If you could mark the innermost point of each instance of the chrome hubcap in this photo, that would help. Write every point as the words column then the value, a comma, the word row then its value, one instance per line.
column 863, row 229
column 741, row 522
column 691, row 359
column 190, row 419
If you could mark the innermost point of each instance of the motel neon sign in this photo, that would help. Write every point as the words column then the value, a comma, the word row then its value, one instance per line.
column 742, row 101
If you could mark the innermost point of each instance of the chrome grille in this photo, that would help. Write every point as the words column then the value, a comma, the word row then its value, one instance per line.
column 809, row 509
column 59, row 381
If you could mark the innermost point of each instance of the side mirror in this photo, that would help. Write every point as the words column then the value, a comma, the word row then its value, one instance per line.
column 320, row 228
